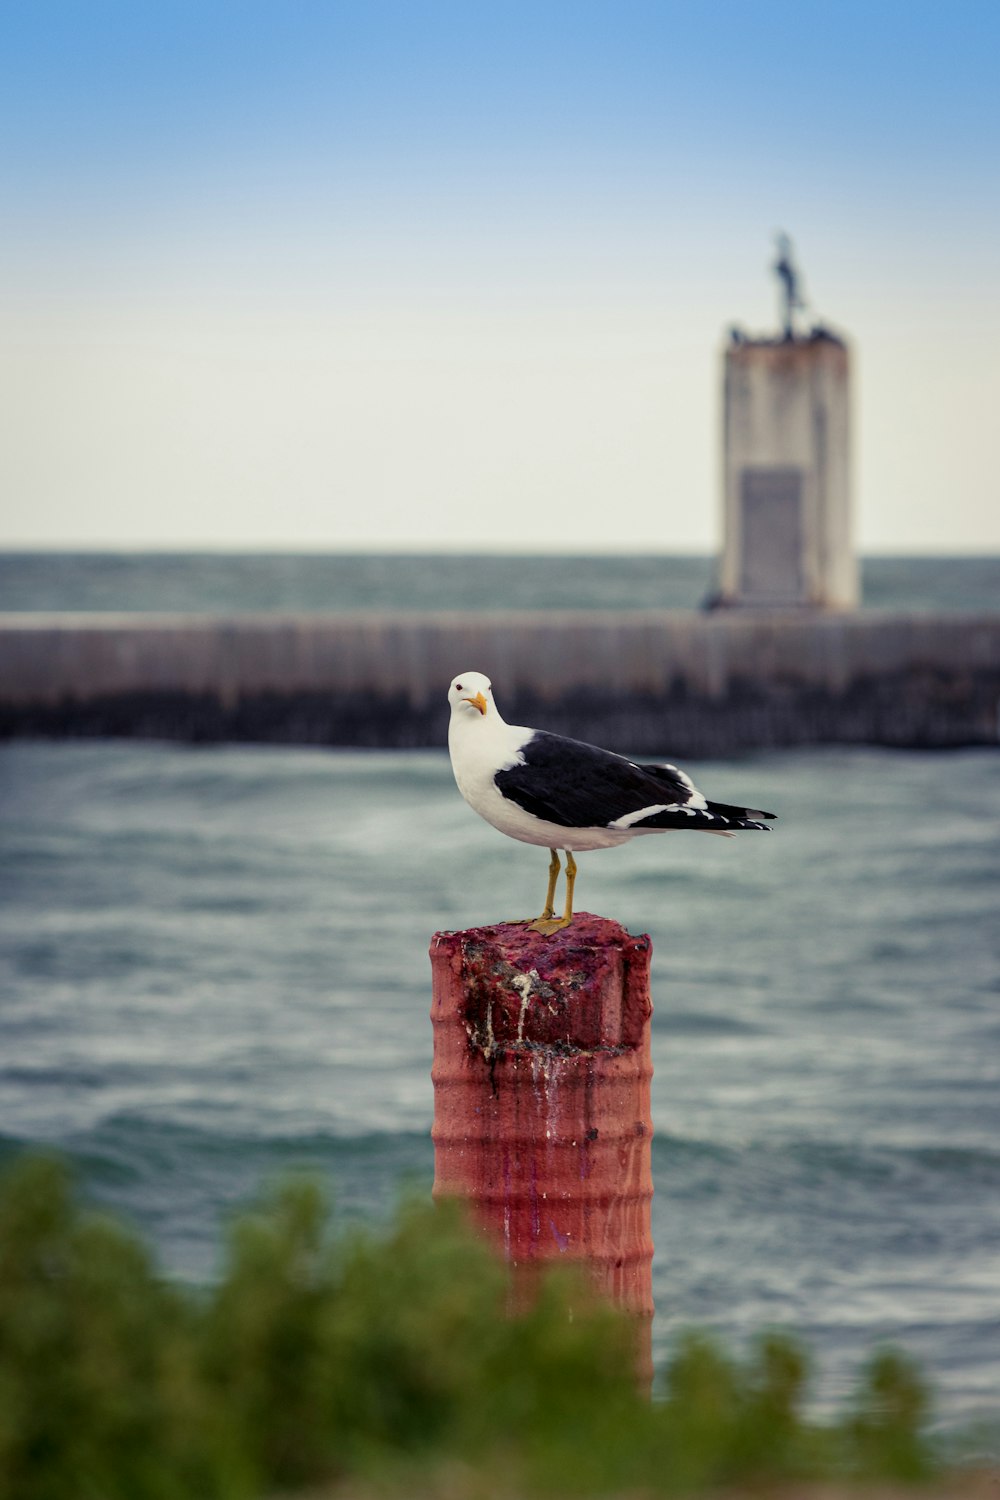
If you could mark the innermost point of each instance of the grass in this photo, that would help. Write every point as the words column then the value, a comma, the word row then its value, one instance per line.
column 386, row 1362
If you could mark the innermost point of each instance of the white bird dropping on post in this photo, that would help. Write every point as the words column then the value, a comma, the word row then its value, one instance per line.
column 563, row 794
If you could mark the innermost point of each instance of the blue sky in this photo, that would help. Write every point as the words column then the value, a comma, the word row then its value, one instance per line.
column 440, row 274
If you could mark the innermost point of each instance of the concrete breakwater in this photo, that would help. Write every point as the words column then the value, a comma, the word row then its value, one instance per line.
column 649, row 681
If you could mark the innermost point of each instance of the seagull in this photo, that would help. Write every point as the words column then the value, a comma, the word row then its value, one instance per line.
column 563, row 794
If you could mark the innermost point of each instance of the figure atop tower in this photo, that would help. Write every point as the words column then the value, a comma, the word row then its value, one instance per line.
column 786, row 477
column 787, row 273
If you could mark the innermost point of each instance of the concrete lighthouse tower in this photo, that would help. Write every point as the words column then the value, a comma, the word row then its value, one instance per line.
column 786, row 471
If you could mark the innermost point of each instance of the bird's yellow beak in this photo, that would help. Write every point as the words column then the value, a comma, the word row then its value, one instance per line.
column 477, row 702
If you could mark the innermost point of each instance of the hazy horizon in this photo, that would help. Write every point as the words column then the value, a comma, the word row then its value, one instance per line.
column 248, row 547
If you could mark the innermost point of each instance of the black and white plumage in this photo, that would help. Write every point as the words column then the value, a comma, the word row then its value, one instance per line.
column 560, row 793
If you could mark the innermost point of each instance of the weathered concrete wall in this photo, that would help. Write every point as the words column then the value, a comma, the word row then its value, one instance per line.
column 651, row 681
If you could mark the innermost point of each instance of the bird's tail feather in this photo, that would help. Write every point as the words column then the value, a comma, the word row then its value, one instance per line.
column 716, row 817
column 752, row 815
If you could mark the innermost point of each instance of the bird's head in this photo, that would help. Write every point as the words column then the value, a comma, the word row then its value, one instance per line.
column 470, row 693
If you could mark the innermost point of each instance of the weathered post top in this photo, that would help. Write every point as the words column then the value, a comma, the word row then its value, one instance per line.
column 541, row 1099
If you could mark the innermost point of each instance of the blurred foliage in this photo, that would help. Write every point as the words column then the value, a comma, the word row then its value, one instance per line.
column 391, row 1363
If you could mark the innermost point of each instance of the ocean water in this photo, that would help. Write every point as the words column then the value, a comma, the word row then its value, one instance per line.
column 213, row 968
column 228, row 583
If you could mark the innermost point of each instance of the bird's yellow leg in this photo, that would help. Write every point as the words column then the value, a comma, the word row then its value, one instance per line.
column 549, row 910
column 550, row 895
column 547, row 924
column 570, row 883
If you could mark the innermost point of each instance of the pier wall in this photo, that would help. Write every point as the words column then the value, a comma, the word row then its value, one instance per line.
column 646, row 681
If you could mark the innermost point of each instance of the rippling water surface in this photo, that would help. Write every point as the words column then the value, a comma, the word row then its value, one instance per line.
column 213, row 967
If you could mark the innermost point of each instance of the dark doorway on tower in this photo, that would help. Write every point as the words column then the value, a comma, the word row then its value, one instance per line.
column 771, row 523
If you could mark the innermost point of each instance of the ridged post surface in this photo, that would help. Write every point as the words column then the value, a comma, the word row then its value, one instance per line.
column 541, row 1098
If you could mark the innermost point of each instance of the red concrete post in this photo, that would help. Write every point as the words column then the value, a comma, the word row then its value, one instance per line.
column 541, row 1098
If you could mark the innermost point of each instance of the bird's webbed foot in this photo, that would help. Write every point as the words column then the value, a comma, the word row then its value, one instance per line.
column 548, row 925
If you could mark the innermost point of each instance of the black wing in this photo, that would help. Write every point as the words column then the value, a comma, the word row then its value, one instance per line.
column 576, row 785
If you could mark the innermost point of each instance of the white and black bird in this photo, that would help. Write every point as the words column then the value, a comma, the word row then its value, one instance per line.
column 563, row 794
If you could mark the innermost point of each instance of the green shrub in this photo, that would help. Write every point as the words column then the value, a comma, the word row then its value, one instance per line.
column 391, row 1361
column 884, row 1432
column 95, row 1352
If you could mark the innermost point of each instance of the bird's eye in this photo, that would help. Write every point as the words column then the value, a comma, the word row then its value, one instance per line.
column 458, row 687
